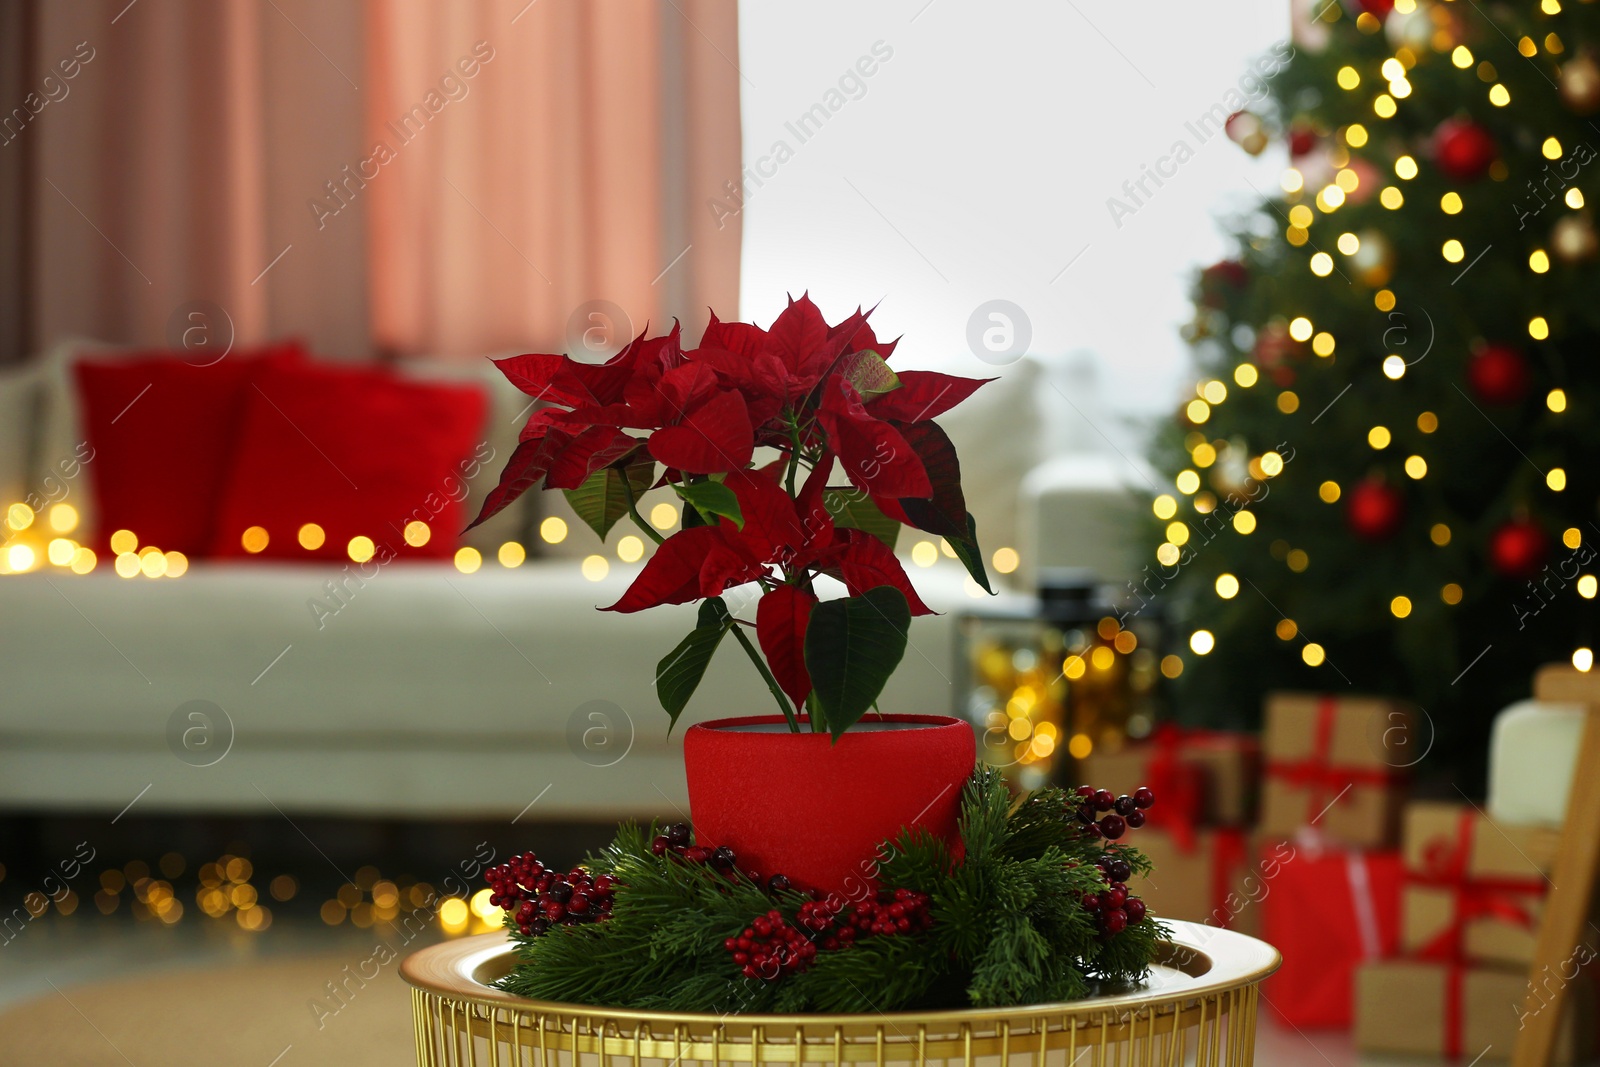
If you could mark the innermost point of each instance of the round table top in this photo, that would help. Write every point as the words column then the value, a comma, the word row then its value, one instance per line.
column 1199, row 960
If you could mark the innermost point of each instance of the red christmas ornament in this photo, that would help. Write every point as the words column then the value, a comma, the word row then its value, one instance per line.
column 1220, row 279
column 1517, row 549
column 1463, row 150
column 1302, row 139
column 1375, row 510
column 1498, row 374
column 1378, row 8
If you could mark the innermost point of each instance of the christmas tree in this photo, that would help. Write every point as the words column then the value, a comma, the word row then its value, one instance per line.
column 1381, row 483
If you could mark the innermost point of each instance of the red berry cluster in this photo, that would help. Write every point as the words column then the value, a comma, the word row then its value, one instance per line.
column 1113, row 907
column 677, row 839
column 769, row 948
column 1127, row 811
column 538, row 898
column 832, row 924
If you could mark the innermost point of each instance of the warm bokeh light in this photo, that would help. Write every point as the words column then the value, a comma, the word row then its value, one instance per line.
column 311, row 537
column 924, row 553
column 20, row 558
column 1400, row 606
column 1201, row 642
column 630, row 549
column 1244, row 375
column 1227, row 586
column 1556, row 401
column 553, row 530
column 1556, row 479
column 1378, row 437
column 360, row 549
column 595, row 568
column 127, row 564
column 1244, row 522
column 152, row 563
column 1006, row 560
column 468, row 559
column 84, row 561
column 1583, row 658
column 1313, row 655
column 417, row 533
column 60, row 551
column 253, row 539
column 124, row 541
column 63, row 518
column 663, row 516
column 19, row 516
column 512, row 554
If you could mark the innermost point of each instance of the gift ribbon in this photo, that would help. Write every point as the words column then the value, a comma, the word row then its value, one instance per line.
column 1445, row 865
column 1317, row 774
column 1175, row 784
column 1227, row 856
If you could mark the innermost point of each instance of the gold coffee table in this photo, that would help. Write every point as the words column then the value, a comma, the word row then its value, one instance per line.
column 1198, row 1007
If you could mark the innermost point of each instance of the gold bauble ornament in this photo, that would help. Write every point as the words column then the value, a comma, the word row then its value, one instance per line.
column 1373, row 262
column 1580, row 84
column 1573, row 238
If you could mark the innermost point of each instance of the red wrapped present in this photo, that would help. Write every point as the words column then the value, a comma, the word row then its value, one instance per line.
column 1328, row 911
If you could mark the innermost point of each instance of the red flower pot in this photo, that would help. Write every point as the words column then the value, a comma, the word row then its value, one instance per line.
column 817, row 811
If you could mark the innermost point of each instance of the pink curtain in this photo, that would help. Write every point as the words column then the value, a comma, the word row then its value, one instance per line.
column 219, row 150
column 547, row 162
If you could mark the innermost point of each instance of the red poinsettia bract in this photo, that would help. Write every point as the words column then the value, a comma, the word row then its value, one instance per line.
column 825, row 402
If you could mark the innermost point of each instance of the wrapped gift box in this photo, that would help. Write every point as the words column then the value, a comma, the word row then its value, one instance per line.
column 1210, row 876
column 1533, row 751
column 1474, row 888
column 1217, row 771
column 1337, row 764
column 1327, row 911
column 1424, row 1008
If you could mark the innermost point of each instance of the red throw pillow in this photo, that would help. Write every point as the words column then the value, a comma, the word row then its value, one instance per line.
column 163, row 433
column 357, row 451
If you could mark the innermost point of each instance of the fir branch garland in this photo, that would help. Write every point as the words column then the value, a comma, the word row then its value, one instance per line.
column 1008, row 925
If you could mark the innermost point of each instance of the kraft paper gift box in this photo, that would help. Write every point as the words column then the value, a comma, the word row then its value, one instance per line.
column 1216, row 876
column 1338, row 765
column 1217, row 771
column 1424, row 1008
column 1474, row 888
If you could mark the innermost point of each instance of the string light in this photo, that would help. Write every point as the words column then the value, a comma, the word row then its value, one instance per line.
column 1227, row 586
column 1453, row 251
column 1572, row 537
column 1244, row 375
column 1164, row 506
column 1244, row 522
column 1556, row 401
column 1384, row 106
column 1394, row 367
column 1391, row 198
column 1322, row 264
column 1378, row 437
column 360, row 548
column 1383, row 300
column 1451, row 593
column 1450, row 203
column 1400, row 606
column 663, row 516
column 468, row 559
column 1538, row 261
column 1298, row 560
column 1574, row 198
column 1349, row 244
column 254, row 539
column 1300, row 328
column 1187, row 482
column 1406, row 167
column 1301, row 216
column 124, row 541
column 1556, row 479
column 417, row 533
column 63, row 518
column 1313, row 655
column 1329, row 492
column 1348, row 78
column 1538, row 328
column 1587, row 586
column 1198, row 411
column 1583, row 659
column 311, row 537
column 1330, row 199
column 1323, row 344
column 553, row 530
column 1355, row 135
column 1204, row 454
column 1291, row 181
column 1201, row 642
column 1462, row 56
column 1006, row 560
column 1427, row 422
column 1551, row 149
column 1439, row 534
column 1499, row 95
column 595, row 568
column 1286, row 629
column 926, row 553
column 512, row 554
column 1288, row 402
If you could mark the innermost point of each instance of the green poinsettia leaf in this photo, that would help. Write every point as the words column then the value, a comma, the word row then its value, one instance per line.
column 971, row 556
column 711, row 499
column 870, row 375
column 852, row 509
column 852, row 647
column 604, row 496
column 679, row 673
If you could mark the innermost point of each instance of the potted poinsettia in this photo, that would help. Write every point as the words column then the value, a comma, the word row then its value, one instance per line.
column 796, row 452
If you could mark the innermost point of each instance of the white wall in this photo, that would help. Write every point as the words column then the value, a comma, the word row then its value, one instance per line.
column 991, row 140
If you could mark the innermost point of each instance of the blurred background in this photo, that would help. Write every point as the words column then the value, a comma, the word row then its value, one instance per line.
column 260, row 701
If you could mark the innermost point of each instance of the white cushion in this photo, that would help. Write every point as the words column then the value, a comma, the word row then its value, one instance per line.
column 1533, row 753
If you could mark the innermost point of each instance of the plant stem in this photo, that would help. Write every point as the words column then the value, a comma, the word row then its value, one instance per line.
column 633, row 509
column 772, row 683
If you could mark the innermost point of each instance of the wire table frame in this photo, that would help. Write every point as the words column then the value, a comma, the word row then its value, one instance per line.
column 1199, row 1007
